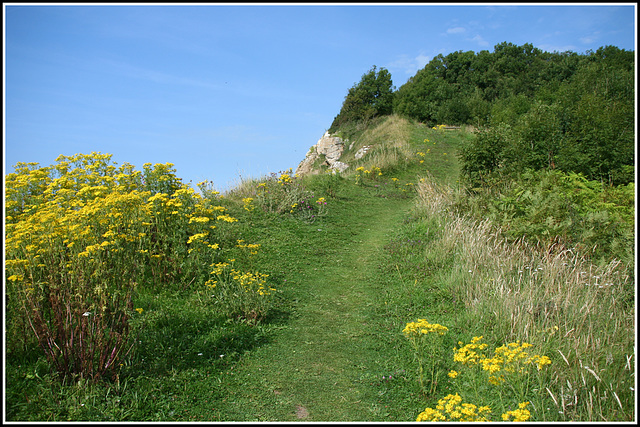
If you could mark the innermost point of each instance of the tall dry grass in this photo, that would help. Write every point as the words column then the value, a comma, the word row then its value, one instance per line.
column 582, row 315
column 389, row 142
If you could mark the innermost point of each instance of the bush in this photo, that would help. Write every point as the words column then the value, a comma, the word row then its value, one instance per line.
column 566, row 207
column 82, row 235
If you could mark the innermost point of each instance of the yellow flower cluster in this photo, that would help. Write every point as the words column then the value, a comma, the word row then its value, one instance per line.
column 85, row 231
column 468, row 354
column 253, row 282
column 196, row 237
column 520, row 414
column 511, row 357
column 451, row 408
column 373, row 174
column 226, row 218
column 285, row 179
column 248, row 204
column 424, row 327
column 252, row 247
column 86, row 215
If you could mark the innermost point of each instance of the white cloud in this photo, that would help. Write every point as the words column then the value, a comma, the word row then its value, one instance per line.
column 589, row 39
column 456, row 30
column 421, row 60
column 478, row 39
column 407, row 64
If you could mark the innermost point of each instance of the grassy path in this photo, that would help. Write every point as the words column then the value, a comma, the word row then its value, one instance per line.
column 332, row 350
column 316, row 367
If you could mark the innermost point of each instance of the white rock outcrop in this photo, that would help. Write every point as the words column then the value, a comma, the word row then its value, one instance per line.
column 331, row 147
column 339, row 166
column 362, row 151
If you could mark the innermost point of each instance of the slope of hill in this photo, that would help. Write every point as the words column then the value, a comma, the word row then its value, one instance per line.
column 347, row 262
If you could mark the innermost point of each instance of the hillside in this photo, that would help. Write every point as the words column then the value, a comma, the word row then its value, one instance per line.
column 293, row 307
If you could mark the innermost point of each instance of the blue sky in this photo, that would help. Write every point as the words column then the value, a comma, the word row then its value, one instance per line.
column 226, row 92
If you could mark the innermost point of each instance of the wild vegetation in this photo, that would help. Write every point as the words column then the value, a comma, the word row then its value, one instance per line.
column 566, row 111
column 446, row 275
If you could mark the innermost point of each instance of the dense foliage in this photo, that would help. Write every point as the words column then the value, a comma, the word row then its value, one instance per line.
column 544, row 110
column 83, row 235
column 371, row 97
column 566, row 111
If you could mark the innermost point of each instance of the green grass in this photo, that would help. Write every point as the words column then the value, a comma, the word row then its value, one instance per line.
column 332, row 348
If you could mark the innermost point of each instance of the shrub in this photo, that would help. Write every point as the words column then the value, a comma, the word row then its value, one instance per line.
column 81, row 235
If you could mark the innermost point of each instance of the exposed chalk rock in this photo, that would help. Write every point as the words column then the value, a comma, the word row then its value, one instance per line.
column 331, row 147
column 362, row 151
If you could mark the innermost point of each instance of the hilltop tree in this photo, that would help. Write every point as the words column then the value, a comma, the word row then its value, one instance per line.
column 371, row 97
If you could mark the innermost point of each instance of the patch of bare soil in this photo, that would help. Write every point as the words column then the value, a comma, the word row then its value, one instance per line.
column 301, row 412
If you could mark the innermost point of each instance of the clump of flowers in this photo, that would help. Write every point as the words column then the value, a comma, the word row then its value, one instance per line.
column 509, row 371
column 245, row 295
column 373, row 174
column 426, row 343
column 423, row 327
column 468, row 353
column 285, row 179
column 520, row 414
column 248, row 204
column 507, row 374
column 511, row 358
column 359, row 175
column 82, row 234
column 451, row 408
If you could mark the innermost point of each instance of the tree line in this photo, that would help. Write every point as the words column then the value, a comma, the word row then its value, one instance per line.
column 533, row 109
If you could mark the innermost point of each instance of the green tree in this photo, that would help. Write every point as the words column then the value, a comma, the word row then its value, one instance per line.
column 538, row 135
column 485, row 154
column 598, row 119
column 416, row 98
column 371, row 97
